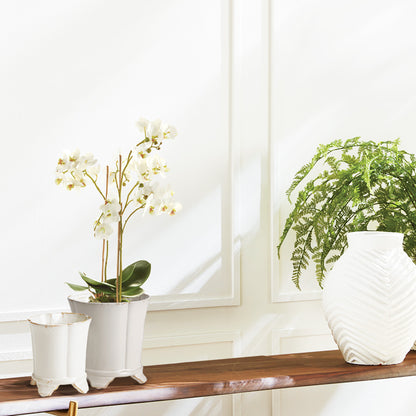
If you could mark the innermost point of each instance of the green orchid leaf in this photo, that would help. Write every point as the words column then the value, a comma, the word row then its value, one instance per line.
column 104, row 289
column 78, row 288
column 132, row 291
column 101, row 287
column 136, row 274
column 125, row 285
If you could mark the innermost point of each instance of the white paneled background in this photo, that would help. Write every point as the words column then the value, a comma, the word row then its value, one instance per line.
column 253, row 86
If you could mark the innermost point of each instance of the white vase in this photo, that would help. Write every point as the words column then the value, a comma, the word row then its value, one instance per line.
column 59, row 342
column 115, row 338
column 369, row 299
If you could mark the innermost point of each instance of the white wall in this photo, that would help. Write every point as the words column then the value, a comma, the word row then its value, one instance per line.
column 253, row 87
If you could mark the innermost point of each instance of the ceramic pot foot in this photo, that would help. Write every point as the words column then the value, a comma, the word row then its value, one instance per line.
column 139, row 377
column 99, row 382
column 81, row 385
column 46, row 389
column 32, row 382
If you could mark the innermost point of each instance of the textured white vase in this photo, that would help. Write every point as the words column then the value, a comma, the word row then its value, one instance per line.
column 59, row 342
column 369, row 299
column 115, row 339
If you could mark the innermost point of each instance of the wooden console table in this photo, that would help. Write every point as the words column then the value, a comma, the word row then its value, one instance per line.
column 204, row 378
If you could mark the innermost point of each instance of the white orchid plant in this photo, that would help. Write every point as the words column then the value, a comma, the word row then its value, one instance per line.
column 131, row 187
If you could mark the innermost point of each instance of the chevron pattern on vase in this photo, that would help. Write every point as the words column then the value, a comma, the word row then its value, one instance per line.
column 369, row 301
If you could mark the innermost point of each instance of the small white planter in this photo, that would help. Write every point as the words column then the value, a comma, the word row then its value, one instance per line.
column 59, row 342
column 115, row 339
column 369, row 299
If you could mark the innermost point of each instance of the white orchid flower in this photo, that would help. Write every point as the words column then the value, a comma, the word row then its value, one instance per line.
column 79, row 177
column 111, row 211
column 72, row 168
column 63, row 164
column 103, row 230
column 93, row 171
column 59, row 178
column 73, row 182
column 161, row 201
column 154, row 129
column 174, row 208
column 156, row 165
column 143, row 124
column 147, row 168
column 86, row 161
column 168, row 132
column 74, row 157
column 151, row 205
column 143, row 149
column 142, row 169
column 142, row 194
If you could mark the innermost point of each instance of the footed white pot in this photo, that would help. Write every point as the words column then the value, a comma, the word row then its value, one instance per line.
column 59, row 342
column 115, row 340
column 369, row 299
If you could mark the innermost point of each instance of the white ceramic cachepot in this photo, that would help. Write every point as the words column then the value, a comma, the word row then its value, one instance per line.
column 59, row 342
column 115, row 340
column 369, row 299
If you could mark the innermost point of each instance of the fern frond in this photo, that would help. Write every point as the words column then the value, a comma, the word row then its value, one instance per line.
column 360, row 182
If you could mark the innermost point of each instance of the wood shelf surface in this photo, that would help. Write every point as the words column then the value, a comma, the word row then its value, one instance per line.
column 204, row 378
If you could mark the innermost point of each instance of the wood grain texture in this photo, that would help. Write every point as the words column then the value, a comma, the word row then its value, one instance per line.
column 204, row 378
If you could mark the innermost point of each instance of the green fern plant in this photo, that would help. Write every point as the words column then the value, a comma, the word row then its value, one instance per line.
column 361, row 185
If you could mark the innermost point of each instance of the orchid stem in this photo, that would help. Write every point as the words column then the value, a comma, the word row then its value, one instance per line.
column 128, row 195
column 103, row 261
column 95, row 184
column 119, row 279
column 104, row 257
column 106, row 261
column 131, row 214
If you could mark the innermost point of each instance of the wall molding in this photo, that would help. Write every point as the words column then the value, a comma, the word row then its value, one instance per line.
column 16, row 355
column 157, row 303
column 277, row 336
column 23, row 315
column 297, row 296
column 277, row 295
column 230, row 235
column 155, row 342
column 198, row 338
column 229, row 196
